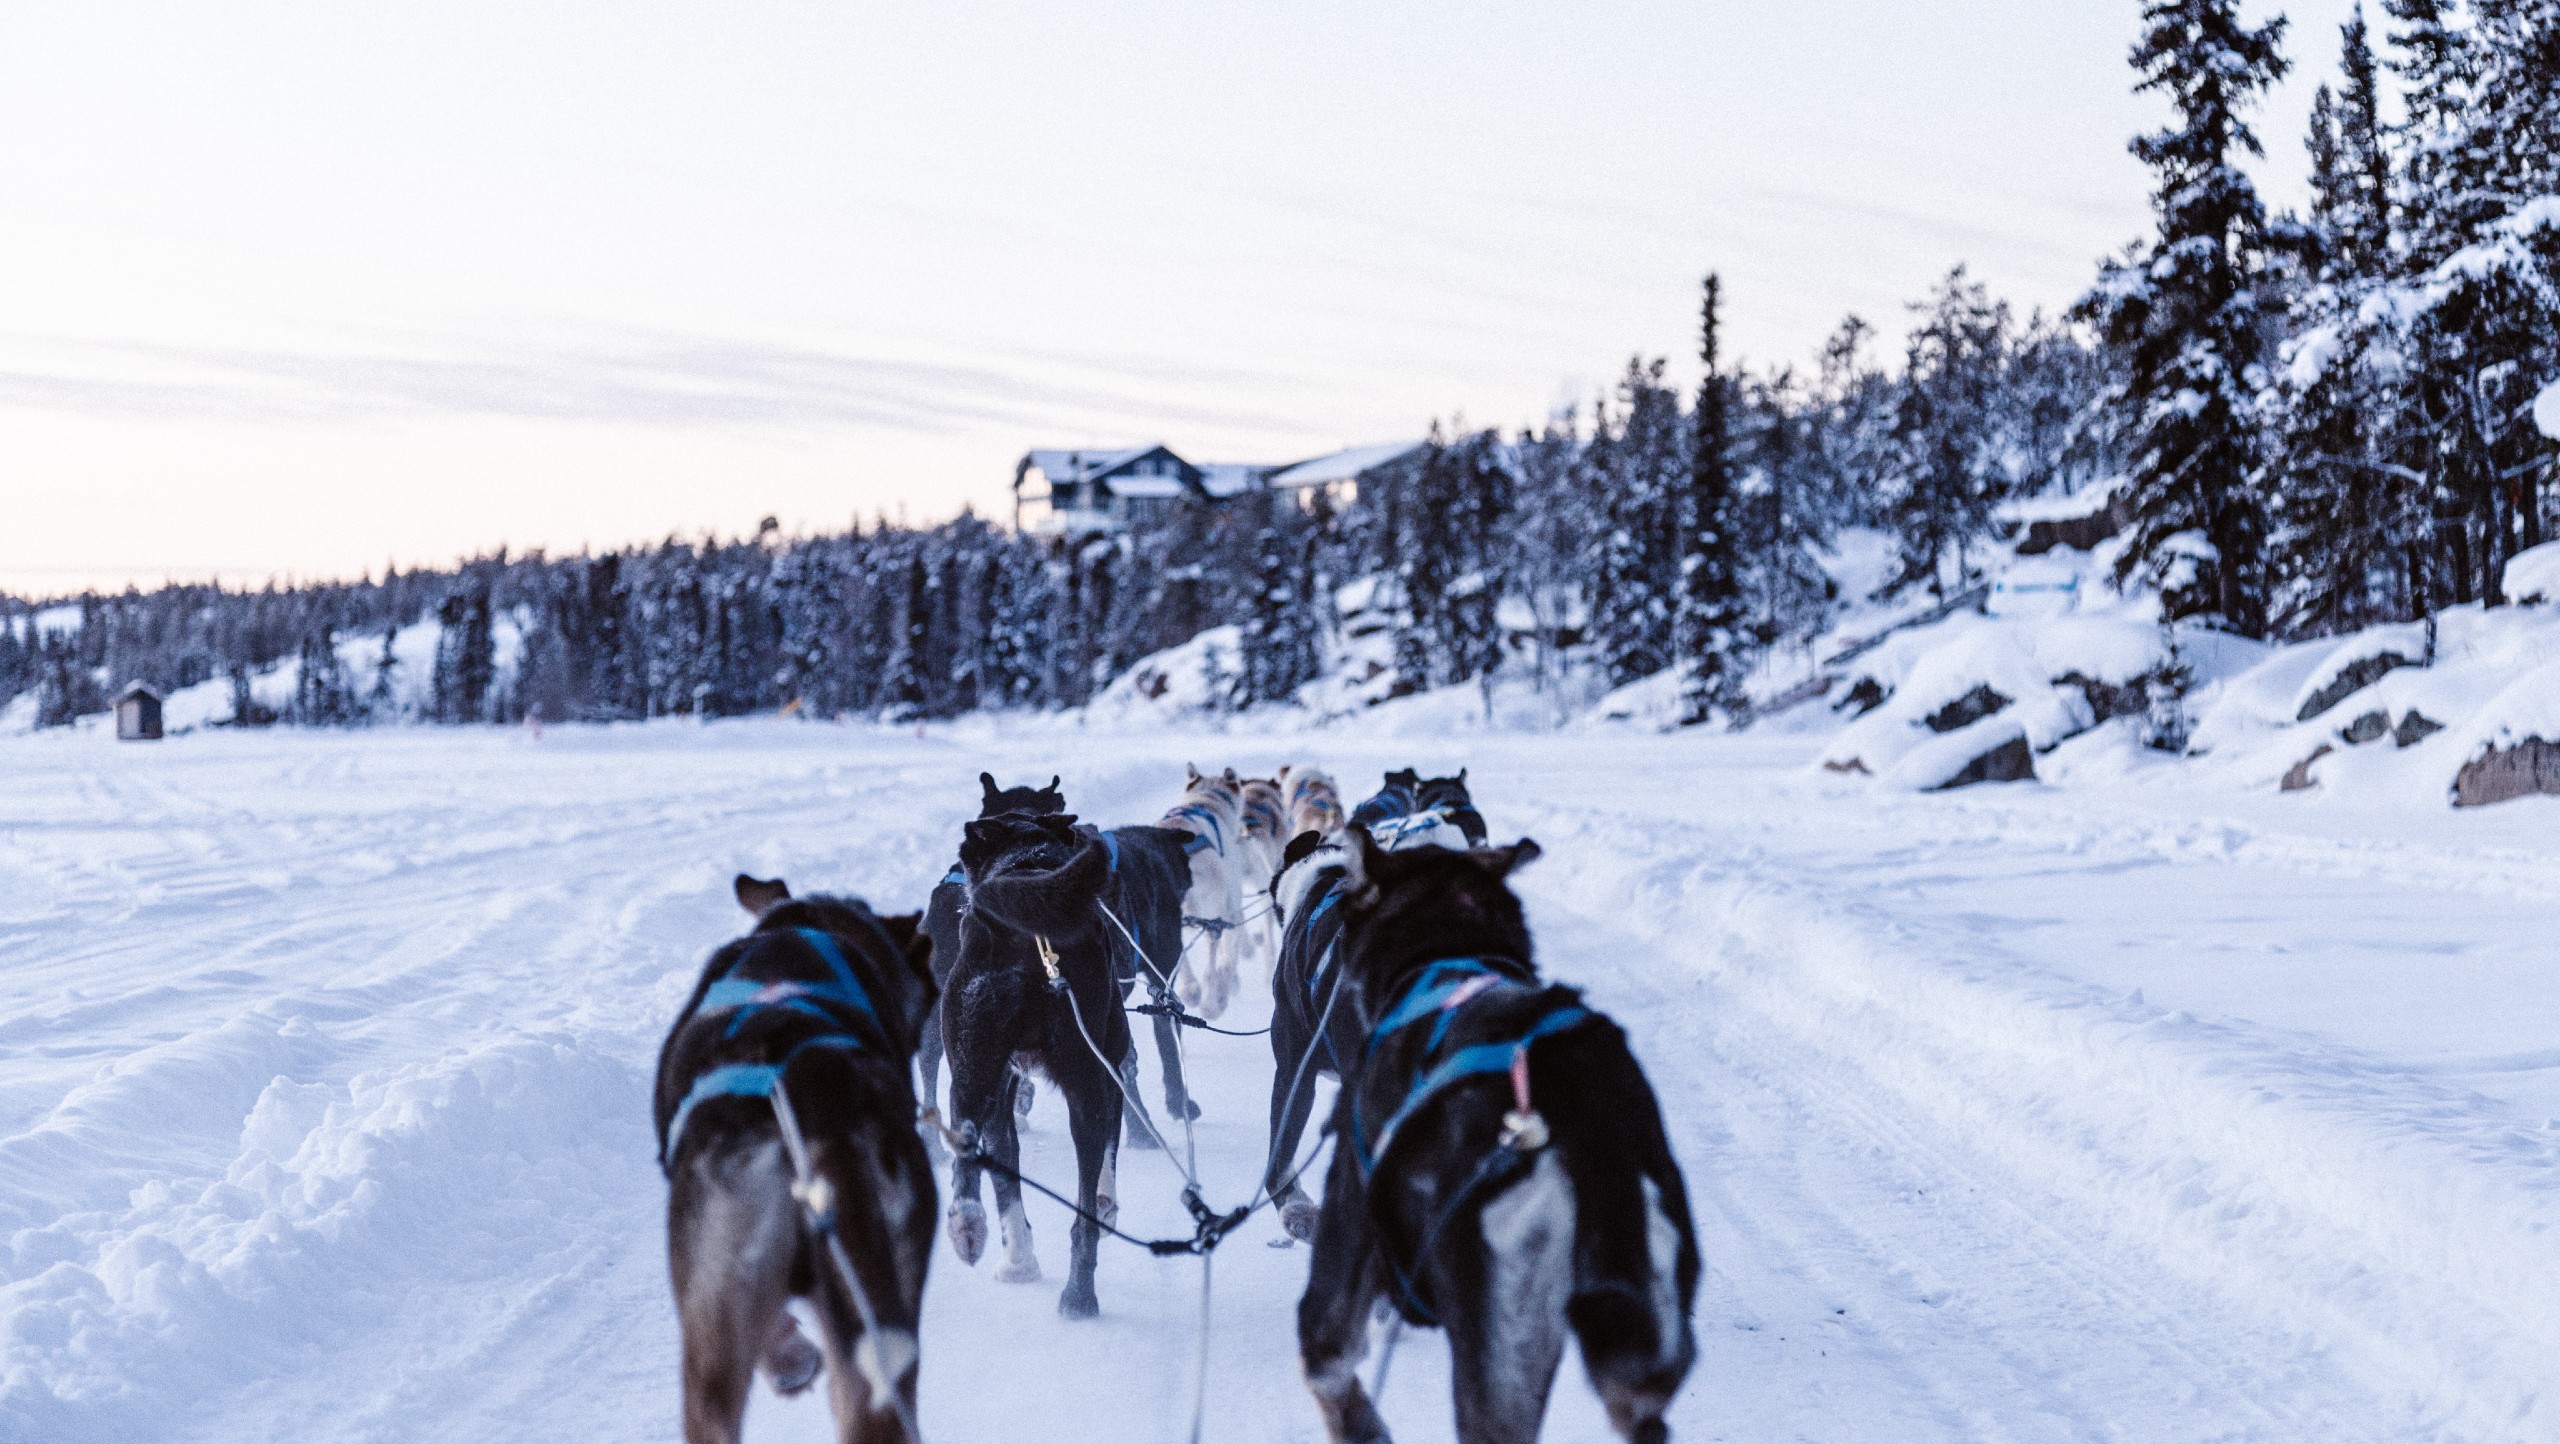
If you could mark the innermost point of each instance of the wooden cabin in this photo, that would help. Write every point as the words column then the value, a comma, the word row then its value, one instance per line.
column 137, row 714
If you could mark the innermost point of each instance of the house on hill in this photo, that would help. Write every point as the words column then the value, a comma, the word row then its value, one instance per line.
column 1336, row 480
column 1072, row 493
column 1066, row 494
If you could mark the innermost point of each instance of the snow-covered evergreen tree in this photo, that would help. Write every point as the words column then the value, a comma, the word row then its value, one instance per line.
column 1636, row 468
column 324, row 691
column 2186, row 315
column 1949, row 467
column 1709, row 638
column 466, row 663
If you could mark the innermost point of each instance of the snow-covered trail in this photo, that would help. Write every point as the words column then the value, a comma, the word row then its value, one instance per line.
column 323, row 1071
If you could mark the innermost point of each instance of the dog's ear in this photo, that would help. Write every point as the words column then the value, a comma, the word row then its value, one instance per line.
column 1462, row 777
column 1053, row 782
column 1230, row 775
column 987, row 780
column 1190, row 773
column 1504, row 861
column 1060, row 825
column 1367, row 866
column 916, row 946
column 758, row 896
column 1298, row 848
column 902, row 929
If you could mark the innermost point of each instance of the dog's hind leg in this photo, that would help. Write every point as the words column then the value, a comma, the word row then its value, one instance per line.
column 1021, row 1265
column 732, row 1238
column 977, row 1096
column 1509, row 1285
column 1093, row 1119
column 929, row 1082
column 1137, row 1124
column 1289, row 1112
column 1333, row 1326
column 1177, row 1098
column 871, row 1375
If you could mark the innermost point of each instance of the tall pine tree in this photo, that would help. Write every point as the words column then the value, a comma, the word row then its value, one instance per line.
column 1708, row 635
column 2186, row 316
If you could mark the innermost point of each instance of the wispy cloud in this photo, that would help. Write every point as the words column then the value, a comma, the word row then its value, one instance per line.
column 625, row 378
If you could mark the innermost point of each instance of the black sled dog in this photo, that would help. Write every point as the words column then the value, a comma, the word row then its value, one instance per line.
column 942, row 924
column 1409, row 810
column 1038, row 986
column 822, row 1001
column 1314, row 1029
column 1499, row 1168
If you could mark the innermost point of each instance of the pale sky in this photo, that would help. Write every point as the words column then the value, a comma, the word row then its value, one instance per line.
column 290, row 287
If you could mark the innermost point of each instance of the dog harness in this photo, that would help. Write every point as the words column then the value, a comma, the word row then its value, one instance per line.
column 1394, row 832
column 842, row 1002
column 1435, row 995
column 1390, row 804
column 1216, row 836
column 1331, row 882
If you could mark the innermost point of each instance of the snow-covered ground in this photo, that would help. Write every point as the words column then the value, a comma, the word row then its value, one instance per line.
column 2140, row 1108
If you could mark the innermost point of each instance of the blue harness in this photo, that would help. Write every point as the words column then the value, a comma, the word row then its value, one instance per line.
column 1332, row 886
column 1435, row 995
column 1389, row 805
column 842, row 1002
column 1217, row 834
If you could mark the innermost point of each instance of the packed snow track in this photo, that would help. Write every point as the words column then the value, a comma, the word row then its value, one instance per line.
column 2027, row 1113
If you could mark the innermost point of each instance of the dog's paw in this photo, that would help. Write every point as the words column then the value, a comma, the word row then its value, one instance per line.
column 1078, row 1302
column 1182, row 1109
column 1023, row 1270
column 968, row 1230
column 791, row 1362
column 1138, row 1136
column 1300, row 1220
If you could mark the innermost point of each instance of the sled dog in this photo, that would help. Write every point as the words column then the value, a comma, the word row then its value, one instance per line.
column 942, row 923
column 822, row 1002
column 1038, row 985
column 1211, row 812
column 1500, row 1168
column 1310, row 802
column 1314, row 1029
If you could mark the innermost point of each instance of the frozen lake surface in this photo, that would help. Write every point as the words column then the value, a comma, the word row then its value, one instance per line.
column 2111, row 1111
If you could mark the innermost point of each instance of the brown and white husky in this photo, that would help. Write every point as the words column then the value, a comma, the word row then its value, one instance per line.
column 1212, row 811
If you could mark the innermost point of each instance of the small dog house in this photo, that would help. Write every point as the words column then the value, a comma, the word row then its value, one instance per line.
column 137, row 714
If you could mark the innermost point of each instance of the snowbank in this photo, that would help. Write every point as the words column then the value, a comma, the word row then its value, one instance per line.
column 2533, row 575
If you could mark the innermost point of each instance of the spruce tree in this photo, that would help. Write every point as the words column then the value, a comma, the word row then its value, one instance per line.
column 1708, row 634
column 2360, row 191
column 2187, row 318
column 324, row 694
column 1949, row 467
column 1635, row 470
column 382, row 701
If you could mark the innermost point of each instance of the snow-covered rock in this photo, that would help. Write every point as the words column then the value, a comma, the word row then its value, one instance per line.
column 2533, row 575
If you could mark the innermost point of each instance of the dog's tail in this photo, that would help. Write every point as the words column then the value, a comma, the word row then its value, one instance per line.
column 1056, row 901
column 1635, row 1256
